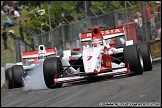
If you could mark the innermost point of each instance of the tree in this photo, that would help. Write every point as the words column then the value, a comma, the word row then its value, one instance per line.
column 68, row 8
column 80, row 5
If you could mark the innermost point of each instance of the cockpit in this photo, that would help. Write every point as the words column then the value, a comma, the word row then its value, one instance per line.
column 96, row 42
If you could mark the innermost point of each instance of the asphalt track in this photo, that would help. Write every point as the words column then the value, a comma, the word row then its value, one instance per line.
column 139, row 90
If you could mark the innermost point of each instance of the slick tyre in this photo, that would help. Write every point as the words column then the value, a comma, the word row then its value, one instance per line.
column 146, row 55
column 51, row 68
column 133, row 57
column 18, row 74
column 9, row 78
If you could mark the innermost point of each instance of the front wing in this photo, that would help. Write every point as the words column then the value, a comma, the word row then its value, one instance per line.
column 121, row 71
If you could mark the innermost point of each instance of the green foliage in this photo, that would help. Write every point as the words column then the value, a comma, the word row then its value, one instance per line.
column 69, row 10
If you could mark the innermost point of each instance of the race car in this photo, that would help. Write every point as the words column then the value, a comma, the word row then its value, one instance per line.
column 102, row 53
column 15, row 74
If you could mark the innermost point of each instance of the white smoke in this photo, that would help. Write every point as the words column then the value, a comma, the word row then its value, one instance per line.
column 35, row 79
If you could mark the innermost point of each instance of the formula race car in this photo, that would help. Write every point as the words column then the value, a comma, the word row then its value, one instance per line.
column 102, row 53
column 15, row 75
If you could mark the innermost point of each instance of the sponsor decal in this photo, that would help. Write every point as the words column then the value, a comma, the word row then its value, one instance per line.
column 104, row 32
column 89, row 58
column 113, row 31
column 70, row 58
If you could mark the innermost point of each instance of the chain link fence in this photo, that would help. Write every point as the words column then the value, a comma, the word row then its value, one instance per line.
column 20, row 46
column 66, row 36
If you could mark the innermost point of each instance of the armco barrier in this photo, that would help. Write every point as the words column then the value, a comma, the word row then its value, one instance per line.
column 2, row 76
column 11, row 64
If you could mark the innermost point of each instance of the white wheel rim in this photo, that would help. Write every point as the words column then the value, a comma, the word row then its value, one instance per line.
column 151, row 58
column 141, row 60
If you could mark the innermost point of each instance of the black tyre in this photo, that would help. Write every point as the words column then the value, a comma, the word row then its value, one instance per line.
column 18, row 75
column 146, row 55
column 133, row 57
column 9, row 78
column 6, row 75
column 52, row 66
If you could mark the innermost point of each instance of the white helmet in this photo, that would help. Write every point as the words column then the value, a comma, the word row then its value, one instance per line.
column 41, row 52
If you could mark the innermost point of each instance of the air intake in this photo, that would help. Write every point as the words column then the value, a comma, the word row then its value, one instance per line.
column 95, row 31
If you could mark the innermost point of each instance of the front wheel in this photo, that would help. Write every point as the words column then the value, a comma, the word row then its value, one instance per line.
column 9, row 78
column 146, row 55
column 52, row 67
column 18, row 74
column 133, row 57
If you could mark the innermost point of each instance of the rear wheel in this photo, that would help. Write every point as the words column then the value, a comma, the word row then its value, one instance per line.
column 18, row 74
column 133, row 57
column 52, row 67
column 9, row 78
column 146, row 55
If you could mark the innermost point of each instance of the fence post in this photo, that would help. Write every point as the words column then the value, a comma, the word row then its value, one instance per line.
column 71, row 35
column 127, row 25
column 145, row 34
column 18, row 56
column 116, row 19
column 63, row 37
column 52, row 38
column 12, row 53
column 17, row 46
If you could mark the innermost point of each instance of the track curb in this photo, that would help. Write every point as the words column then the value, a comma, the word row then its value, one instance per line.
column 157, row 59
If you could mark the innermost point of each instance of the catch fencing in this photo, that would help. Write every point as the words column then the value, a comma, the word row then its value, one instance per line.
column 66, row 36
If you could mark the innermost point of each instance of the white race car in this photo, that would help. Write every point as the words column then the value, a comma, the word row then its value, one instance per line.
column 102, row 53
column 15, row 74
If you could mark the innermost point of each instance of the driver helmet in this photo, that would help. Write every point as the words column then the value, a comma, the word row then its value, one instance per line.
column 96, row 42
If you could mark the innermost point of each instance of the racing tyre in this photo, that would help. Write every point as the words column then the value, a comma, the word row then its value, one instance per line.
column 133, row 57
column 52, row 67
column 18, row 74
column 146, row 55
column 9, row 78
column 6, row 75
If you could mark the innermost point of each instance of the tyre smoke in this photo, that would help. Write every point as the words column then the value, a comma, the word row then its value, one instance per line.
column 35, row 79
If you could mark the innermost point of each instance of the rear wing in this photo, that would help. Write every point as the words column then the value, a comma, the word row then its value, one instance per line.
column 107, row 34
column 34, row 54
